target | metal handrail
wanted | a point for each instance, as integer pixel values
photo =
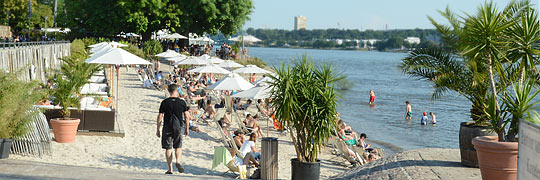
(8, 45)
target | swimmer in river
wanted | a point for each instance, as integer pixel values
(433, 120)
(371, 97)
(408, 112)
(424, 119)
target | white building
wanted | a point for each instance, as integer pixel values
(412, 40)
(369, 42)
(299, 22)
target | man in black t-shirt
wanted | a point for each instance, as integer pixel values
(174, 112)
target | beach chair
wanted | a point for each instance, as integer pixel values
(342, 147)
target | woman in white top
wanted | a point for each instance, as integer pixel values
(250, 147)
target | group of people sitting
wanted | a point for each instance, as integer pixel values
(354, 142)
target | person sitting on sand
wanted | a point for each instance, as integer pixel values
(424, 119)
(249, 147)
(408, 111)
(433, 120)
(248, 159)
(246, 105)
(252, 123)
(239, 138)
(346, 136)
(362, 141)
(372, 157)
(209, 109)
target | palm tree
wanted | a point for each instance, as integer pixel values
(450, 72)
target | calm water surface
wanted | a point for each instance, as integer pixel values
(385, 121)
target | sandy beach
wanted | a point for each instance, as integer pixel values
(140, 149)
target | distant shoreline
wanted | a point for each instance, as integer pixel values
(344, 49)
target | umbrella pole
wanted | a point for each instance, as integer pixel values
(117, 82)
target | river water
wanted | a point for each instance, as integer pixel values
(384, 123)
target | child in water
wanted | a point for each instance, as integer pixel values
(424, 119)
(371, 97)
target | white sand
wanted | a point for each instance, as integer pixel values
(140, 150)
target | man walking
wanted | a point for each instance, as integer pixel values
(176, 118)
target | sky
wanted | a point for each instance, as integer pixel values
(357, 14)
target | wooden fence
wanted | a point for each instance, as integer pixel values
(34, 61)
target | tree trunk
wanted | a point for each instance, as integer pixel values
(146, 36)
(500, 130)
(522, 75)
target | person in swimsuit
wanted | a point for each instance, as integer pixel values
(433, 120)
(408, 112)
(371, 97)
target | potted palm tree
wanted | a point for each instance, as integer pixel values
(305, 103)
(74, 74)
(16, 100)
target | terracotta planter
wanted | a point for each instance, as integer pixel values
(64, 129)
(497, 160)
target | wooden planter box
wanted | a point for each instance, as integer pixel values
(91, 120)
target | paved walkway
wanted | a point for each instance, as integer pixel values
(18, 169)
(431, 163)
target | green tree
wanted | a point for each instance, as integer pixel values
(152, 48)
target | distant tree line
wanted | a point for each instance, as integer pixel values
(324, 38)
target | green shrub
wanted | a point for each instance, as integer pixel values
(132, 48)
(16, 100)
(152, 48)
(77, 46)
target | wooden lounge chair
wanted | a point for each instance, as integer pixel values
(342, 147)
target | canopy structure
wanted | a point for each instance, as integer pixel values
(250, 69)
(230, 64)
(98, 44)
(117, 56)
(210, 68)
(175, 36)
(257, 92)
(169, 54)
(176, 59)
(192, 61)
(233, 81)
(100, 48)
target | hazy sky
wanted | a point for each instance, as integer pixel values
(357, 14)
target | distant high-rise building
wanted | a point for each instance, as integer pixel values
(299, 22)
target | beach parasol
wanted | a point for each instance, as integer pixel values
(257, 92)
(250, 69)
(192, 61)
(232, 81)
(169, 54)
(247, 39)
(210, 68)
(117, 56)
(264, 81)
(99, 44)
(175, 36)
(230, 64)
(215, 60)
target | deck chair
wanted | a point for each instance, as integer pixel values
(342, 147)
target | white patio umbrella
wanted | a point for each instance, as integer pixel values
(215, 60)
(246, 38)
(117, 56)
(169, 53)
(99, 44)
(192, 61)
(175, 36)
(230, 64)
(257, 92)
(210, 68)
(100, 48)
(264, 81)
(232, 81)
(132, 35)
(250, 69)
(117, 44)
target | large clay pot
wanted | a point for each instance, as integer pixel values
(497, 160)
(468, 131)
(64, 129)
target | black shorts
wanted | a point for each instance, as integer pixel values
(169, 140)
